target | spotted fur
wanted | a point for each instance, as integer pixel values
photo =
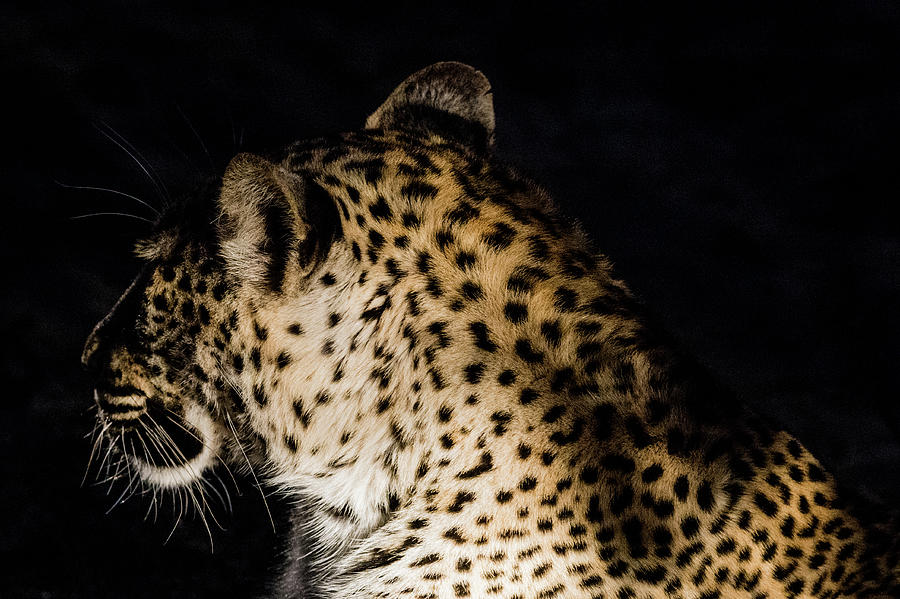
(460, 395)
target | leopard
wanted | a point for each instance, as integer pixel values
(456, 394)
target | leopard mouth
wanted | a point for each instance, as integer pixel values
(178, 452)
(166, 449)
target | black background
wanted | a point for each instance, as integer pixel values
(739, 167)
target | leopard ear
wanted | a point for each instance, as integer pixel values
(450, 99)
(270, 224)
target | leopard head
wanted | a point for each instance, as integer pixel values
(262, 296)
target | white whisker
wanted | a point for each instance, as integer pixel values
(146, 220)
(108, 190)
(134, 154)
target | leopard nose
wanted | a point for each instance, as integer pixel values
(88, 355)
(117, 320)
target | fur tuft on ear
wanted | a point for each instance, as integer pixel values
(263, 223)
(450, 99)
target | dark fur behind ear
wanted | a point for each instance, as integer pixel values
(272, 223)
(448, 98)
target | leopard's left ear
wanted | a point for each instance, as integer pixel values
(449, 99)
(273, 226)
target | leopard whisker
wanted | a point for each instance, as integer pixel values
(114, 136)
(125, 214)
(197, 135)
(112, 191)
(250, 466)
(97, 435)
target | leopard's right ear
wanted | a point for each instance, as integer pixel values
(449, 99)
(272, 224)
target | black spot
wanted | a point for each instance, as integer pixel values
(260, 396)
(370, 168)
(462, 498)
(380, 210)
(589, 475)
(519, 284)
(562, 438)
(394, 270)
(551, 332)
(528, 483)
(218, 291)
(462, 213)
(160, 303)
(500, 237)
(565, 299)
(295, 329)
(705, 496)
(652, 473)
(506, 378)
(383, 404)
(524, 451)
(167, 273)
(433, 287)
(482, 336)
(633, 531)
(465, 260)
(617, 462)
(301, 414)
(500, 420)
(474, 372)
(283, 360)
(765, 504)
(439, 330)
(515, 312)
(553, 414)
(815, 473)
(527, 353)
(437, 379)
(327, 279)
(681, 488)
(445, 413)
(527, 395)
(561, 378)
(504, 496)
(471, 291)
(420, 190)
(787, 527)
(485, 464)
(621, 500)
(410, 220)
(444, 238)
(689, 527)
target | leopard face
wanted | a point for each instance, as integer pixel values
(399, 332)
